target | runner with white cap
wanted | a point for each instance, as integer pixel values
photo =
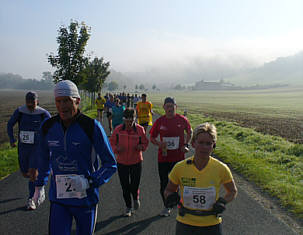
(72, 147)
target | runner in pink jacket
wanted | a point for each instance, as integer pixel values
(128, 141)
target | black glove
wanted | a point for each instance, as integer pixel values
(172, 200)
(219, 206)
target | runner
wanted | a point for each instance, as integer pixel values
(118, 110)
(199, 179)
(128, 142)
(29, 118)
(144, 112)
(135, 101)
(109, 112)
(100, 101)
(172, 145)
(71, 148)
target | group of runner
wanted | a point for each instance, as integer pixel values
(70, 146)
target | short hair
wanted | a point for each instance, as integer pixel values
(206, 127)
(144, 95)
(129, 113)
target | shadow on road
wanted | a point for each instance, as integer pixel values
(22, 208)
(133, 228)
(11, 199)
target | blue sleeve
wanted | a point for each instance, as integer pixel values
(43, 161)
(105, 152)
(47, 115)
(10, 125)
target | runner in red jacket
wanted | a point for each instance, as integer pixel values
(128, 141)
(172, 144)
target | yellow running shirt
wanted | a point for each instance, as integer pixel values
(144, 112)
(100, 101)
(199, 190)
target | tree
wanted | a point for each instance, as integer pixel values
(136, 87)
(113, 86)
(141, 87)
(95, 74)
(70, 60)
(154, 87)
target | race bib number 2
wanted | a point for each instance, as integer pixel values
(199, 198)
(27, 137)
(65, 189)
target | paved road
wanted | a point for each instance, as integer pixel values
(245, 215)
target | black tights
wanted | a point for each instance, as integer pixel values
(164, 168)
(130, 179)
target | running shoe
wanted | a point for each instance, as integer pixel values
(165, 212)
(128, 212)
(30, 204)
(136, 204)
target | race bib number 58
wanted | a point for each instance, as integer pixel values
(199, 198)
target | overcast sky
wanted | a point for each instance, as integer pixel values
(135, 35)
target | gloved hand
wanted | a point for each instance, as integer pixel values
(39, 195)
(172, 200)
(219, 205)
(79, 183)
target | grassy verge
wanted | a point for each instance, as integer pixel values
(8, 160)
(273, 163)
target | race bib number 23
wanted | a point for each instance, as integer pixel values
(65, 189)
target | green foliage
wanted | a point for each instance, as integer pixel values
(70, 60)
(94, 74)
(12, 81)
(8, 160)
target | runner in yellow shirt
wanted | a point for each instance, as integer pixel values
(198, 180)
(100, 101)
(144, 112)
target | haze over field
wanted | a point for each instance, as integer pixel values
(163, 41)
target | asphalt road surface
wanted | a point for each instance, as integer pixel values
(247, 214)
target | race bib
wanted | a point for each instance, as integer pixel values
(172, 143)
(65, 189)
(27, 137)
(199, 198)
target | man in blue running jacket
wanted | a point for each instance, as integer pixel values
(72, 146)
(29, 118)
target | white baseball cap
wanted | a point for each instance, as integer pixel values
(66, 88)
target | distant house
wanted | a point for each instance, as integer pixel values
(221, 85)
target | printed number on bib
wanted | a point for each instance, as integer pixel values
(172, 143)
(199, 198)
(65, 189)
(27, 137)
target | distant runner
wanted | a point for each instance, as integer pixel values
(100, 101)
(109, 112)
(75, 152)
(29, 118)
(172, 145)
(144, 112)
(117, 111)
(199, 179)
(128, 142)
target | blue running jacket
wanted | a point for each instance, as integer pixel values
(82, 149)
